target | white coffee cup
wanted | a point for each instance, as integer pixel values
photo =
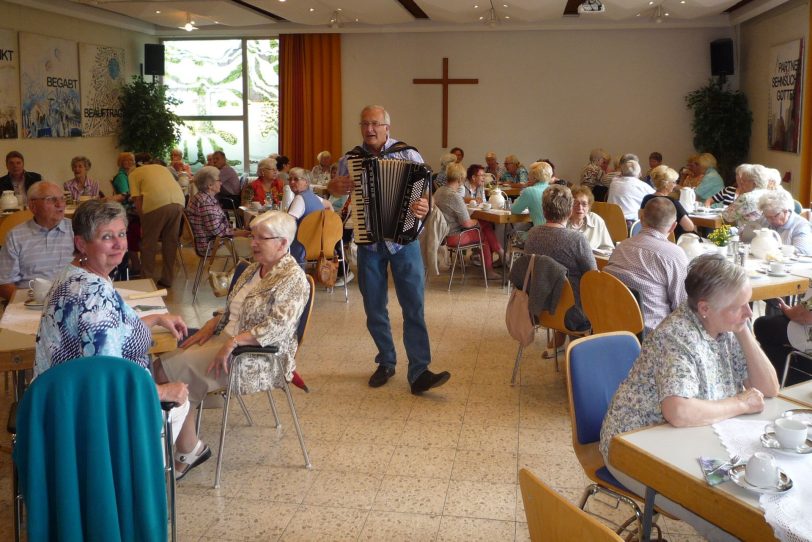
(486, 206)
(789, 433)
(788, 251)
(761, 470)
(777, 268)
(40, 288)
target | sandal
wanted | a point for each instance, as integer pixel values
(550, 353)
(197, 456)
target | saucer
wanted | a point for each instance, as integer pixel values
(784, 482)
(33, 305)
(768, 440)
(772, 274)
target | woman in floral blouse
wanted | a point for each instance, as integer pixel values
(263, 308)
(701, 365)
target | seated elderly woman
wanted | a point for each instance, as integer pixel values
(445, 160)
(751, 184)
(321, 171)
(207, 218)
(566, 246)
(85, 316)
(177, 165)
(701, 365)
(777, 206)
(664, 180)
(267, 183)
(593, 172)
(515, 173)
(538, 179)
(305, 201)
(81, 186)
(473, 189)
(450, 202)
(121, 194)
(703, 168)
(585, 221)
(263, 308)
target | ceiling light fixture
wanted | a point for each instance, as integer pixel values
(591, 6)
(491, 18)
(190, 24)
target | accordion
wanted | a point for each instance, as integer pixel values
(382, 195)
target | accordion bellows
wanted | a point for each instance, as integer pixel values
(382, 196)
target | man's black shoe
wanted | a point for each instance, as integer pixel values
(381, 375)
(429, 380)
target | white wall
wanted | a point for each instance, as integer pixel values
(757, 36)
(553, 94)
(51, 156)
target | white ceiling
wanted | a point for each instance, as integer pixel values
(246, 17)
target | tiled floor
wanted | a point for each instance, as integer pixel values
(386, 465)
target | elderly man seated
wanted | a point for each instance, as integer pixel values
(628, 190)
(651, 265)
(17, 178)
(776, 207)
(40, 247)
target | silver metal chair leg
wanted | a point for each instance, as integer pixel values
(453, 266)
(18, 498)
(344, 267)
(516, 365)
(170, 470)
(199, 274)
(299, 434)
(273, 409)
(182, 264)
(223, 430)
(786, 369)
(248, 417)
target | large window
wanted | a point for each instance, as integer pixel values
(229, 92)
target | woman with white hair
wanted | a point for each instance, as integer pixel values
(445, 160)
(777, 206)
(628, 190)
(305, 201)
(267, 183)
(751, 184)
(263, 308)
(321, 171)
(81, 185)
(206, 215)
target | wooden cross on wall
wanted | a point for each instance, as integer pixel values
(445, 81)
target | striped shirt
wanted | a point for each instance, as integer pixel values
(31, 251)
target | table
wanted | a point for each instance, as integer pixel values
(17, 349)
(800, 393)
(664, 459)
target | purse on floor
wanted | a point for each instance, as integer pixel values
(518, 319)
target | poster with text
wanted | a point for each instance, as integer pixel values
(49, 85)
(784, 110)
(10, 85)
(102, 74)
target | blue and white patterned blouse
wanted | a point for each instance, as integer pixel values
(678, 359)
(85, 316)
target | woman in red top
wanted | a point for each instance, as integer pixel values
(268, 182)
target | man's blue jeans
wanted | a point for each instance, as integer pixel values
(407, 272)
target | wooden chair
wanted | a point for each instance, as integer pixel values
(612, 214)
(552, 517)
(609, 304)
(11, 221)
(553, 322)
(313, 236)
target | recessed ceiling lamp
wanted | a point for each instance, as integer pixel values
(190, 24)
(591, 6)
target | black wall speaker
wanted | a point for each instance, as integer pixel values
(722, 57)
(153, 59)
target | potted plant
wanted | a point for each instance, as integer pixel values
(722, 124)
(147, 123)
(721, 236)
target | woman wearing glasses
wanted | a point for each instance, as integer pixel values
(267, 183)
(207, 218)
(263, 308)
(776, 207)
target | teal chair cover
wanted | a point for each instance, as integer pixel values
(89, 453)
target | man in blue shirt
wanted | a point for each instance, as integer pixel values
(407, 272)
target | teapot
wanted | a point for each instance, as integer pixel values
(497, 199)
(691, 244)
(766, 241)
(8, 200)
(687, 197)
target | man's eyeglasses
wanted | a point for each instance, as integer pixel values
(51, 199)
(373, 124)
(260, 238)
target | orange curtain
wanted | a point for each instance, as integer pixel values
(309, 96)
(805, 186)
